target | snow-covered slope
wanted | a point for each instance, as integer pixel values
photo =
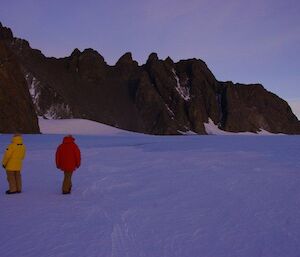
(212, 129)
(78, 127)
(157, 197)
(87, 127)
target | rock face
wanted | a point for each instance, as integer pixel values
(263, 110)
(17, 112)
(159, 97)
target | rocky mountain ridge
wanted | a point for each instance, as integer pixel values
(17, 114)
(159, 97)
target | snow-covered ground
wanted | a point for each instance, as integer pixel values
(138, 195)
(77, 127)
(87, 127)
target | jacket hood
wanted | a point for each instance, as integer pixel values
(68, 139)
(17, 140)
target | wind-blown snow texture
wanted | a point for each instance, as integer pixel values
(134, 196)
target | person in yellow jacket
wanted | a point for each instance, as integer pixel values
(12, 163)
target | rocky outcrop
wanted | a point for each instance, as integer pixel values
(159, 97)
(17, 112)
(264, 110)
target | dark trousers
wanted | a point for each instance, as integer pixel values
(14, 180)
(67, 183)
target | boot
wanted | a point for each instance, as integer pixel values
(10, 193)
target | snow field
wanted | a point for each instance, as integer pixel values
(78, 127)
(138, 195)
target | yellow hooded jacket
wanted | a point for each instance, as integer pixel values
(14, 155)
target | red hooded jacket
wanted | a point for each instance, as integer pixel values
(68, 155)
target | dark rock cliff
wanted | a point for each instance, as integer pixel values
(17, 112)
(159, 97)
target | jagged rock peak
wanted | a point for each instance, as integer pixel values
(139, 98)
(92, 53)
(125, 59)
(76, 52)
(169, 61)
(152, 58)
(5, 33)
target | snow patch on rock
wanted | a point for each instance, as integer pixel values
(170, 111)
(183, 91)
(33, 86)
(187, 133)
(56, 109)
(212, 129)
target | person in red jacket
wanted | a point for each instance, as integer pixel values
(67, 159)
